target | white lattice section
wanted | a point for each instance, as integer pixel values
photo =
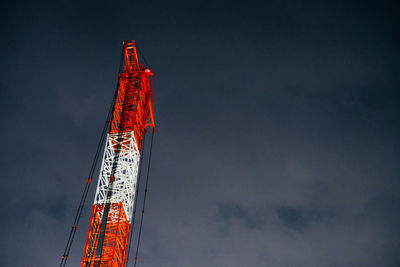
(126, 173)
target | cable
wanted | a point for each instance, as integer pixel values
(83, 198)
(144, 59)
(110, 119)
(135, 203)
(144, 199)
(78, 214)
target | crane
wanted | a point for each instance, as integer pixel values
(112, 214)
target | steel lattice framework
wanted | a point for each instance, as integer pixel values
(111, 219)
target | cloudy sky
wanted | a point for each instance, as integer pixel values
(277, 138)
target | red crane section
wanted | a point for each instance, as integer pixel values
(133, 109)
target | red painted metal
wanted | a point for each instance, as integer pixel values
(133, 108)
(116, 238)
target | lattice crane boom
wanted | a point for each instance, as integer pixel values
(112, 212)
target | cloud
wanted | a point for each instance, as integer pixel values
(276, 142)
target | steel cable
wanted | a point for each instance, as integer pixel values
(144, 59)
(144, 199)
(135, 203)
(78, 214)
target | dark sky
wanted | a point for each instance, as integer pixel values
(277, 138)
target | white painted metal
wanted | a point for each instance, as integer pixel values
(126, 173)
